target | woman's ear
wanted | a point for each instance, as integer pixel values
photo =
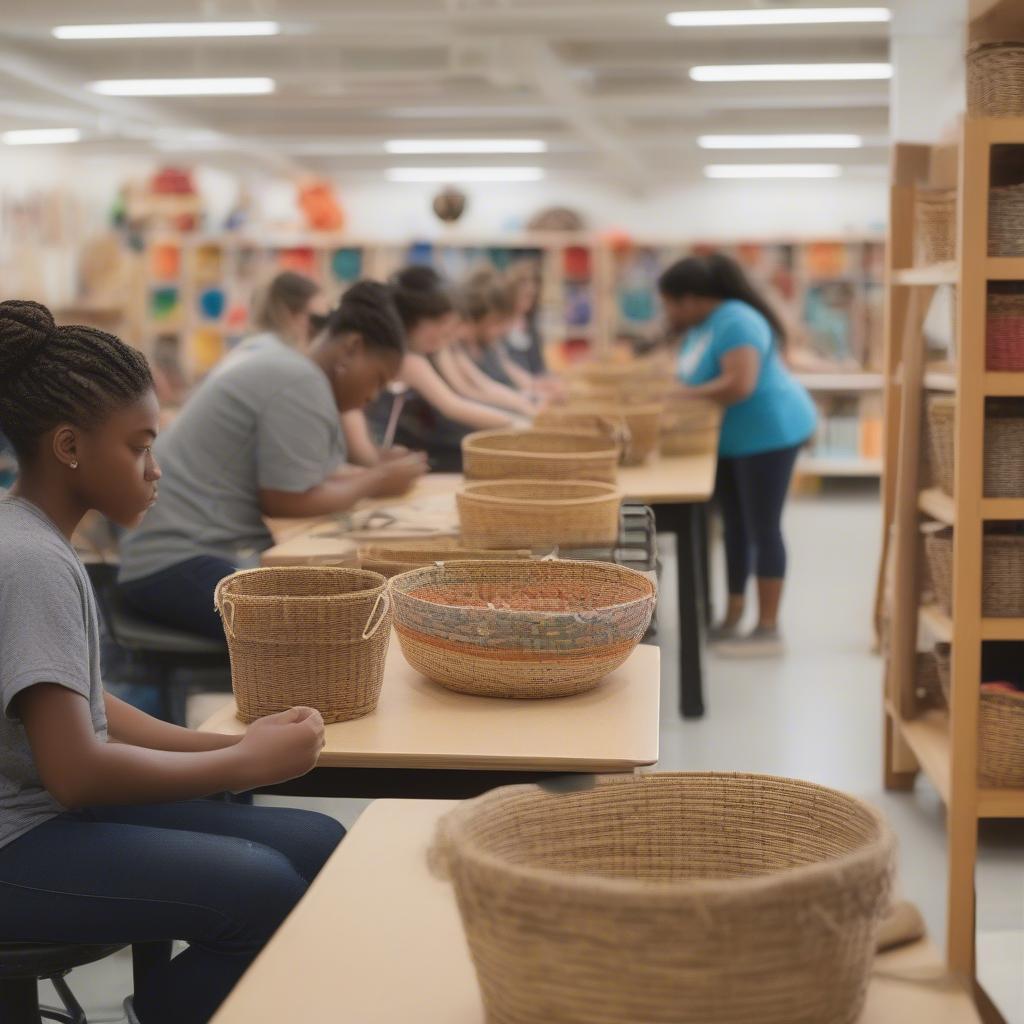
(65, 445)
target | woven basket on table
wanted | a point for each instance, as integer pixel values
(934, 225)
(1000, 730)
(538, 455)
(306, 635)
(402, 556)
(539, 514)
(670, 899)
(633, 427)
(521, 628)
(1002, 578)
(689, 427)
(995, 80)
(1004, 445)
(1004, 332)
(1006, 220)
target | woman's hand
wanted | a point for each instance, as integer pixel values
(396, 476)
(280, 747)
(394, 453)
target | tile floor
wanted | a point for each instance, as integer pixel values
(814, 714)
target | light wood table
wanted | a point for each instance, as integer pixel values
(378, 940)
(426, 741)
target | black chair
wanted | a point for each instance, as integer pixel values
(170, 657)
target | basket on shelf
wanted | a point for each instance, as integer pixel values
(538, 514)
(1002, 584)
(1006, 220)
(538, 455)
(306, 635)
(929, 693)
(934, 225)
(995, 79)
(696, 898)
(1000, 730)
(520, 628)
(400, 556)
(633, 427)
(1004, 443)
(1004, 332)
(689, 427)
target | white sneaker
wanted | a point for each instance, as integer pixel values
(761, 643)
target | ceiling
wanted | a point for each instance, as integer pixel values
(604, 82)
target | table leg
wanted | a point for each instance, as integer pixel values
(704, 526)
(683, 521)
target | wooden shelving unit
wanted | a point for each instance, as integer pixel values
(944, 745)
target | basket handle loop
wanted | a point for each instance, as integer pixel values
(226, 607)
(383, 598)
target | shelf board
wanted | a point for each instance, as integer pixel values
(937, 504)
(1000, 803)
(1009, 384)
(827, 465)
(1002, 508)
(853, 380)
(928, 737)
(1002, 629)
(1004, 268)
(937, 622)
(936, 274)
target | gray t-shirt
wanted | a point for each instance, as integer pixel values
(264, 418)
(49, 633)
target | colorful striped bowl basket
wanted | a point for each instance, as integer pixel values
(520, 628)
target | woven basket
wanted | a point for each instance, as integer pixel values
(1000, 731)
(398, 556)
(934, 225)
(1006, 220)
(670, 899)
(521, 628)
(306, 635)
(1004, 332)
(689, 427)
(538, 455)
(1004, 445)
(539, 514)
(1002, 584)
(633, 427)
(995, 80)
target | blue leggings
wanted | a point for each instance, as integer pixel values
(220, 876)
(750, 491)
(181, 596)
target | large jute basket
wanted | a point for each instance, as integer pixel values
(995, 79)
(670, 899)
(402, 556)
(1004, 331)
(538, 455)
(306, 635)
(934, 225)
(539, 514)
(1006, 220)
(1002, 578)
(633, 427)
(1000, 730)
(521, 628)
(689, 427)
(1004, 445)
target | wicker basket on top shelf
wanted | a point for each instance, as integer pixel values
(995, 79)
(1002, 583)
(934, 226)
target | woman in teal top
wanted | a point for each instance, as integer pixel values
(730, 353)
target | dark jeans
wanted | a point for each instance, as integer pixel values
(220, 876)
(180, 596)
(750, 491)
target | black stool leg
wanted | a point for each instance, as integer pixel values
(75, 1014)
(146, 956)
(19, 1001)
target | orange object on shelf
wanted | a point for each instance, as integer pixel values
(827, 259)
(576, 262)
(165, 262)
(301, 259)
(320, 206)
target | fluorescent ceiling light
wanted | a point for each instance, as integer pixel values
(780, 141)
(421, 146)
(772, 171)
(168, 30)
(790, 72)
(39, 136)
(183, 86)
(451, 175)
(779, 16)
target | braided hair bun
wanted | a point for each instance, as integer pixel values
(25, 328)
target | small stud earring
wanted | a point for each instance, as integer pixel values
(74, 464)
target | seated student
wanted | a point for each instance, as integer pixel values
(290, 309)
(261, 437)
(97, 841)
(473, 366)
(433, 417)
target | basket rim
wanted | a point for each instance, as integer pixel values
(470, 490)
(532, 565)
(611, 451)
(720, 890)
(224, 587)
(597, 409)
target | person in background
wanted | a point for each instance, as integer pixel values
(523, 346)
(730, 353)
(291, 309)
(432, 416)
(102, 836)
(259, 438)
